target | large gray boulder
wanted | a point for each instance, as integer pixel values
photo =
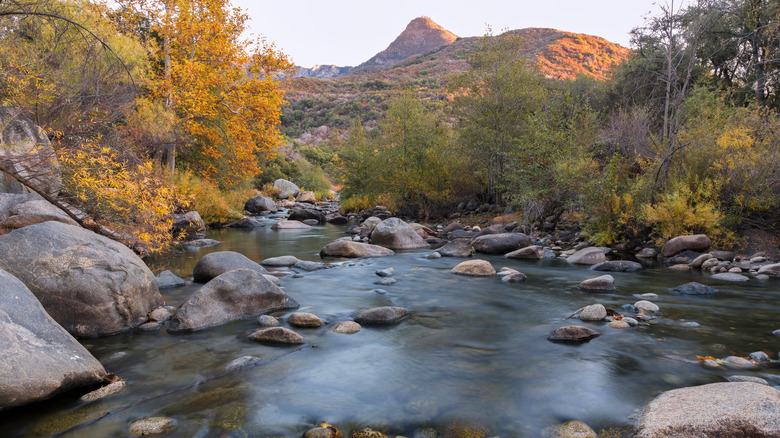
(696, 242)
(349, 248)
(588, 256)
(727, 409)
(394, 233)
(501, 243)
(217, 263)
(31, 212)
(91, 285)
(260, 204)
(25, 147)
(40, 358)
(286, 188)
(233, 295)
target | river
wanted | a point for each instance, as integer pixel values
(473, 352)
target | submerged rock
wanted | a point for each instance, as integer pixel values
(730, 276)
(153, 426)
(617, 266)
(277, 335)
(381, 315)
(572, 333)
(693, 288)
(732, 409)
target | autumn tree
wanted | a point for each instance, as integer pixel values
(223, 92)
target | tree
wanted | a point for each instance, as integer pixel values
(224, 91)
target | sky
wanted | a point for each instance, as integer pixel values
(349, 32)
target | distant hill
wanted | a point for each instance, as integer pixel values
(422, 58)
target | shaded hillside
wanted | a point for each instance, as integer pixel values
(362, 92)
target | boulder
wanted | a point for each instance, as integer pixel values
(457, 248)
(647, 253)
(394, 233)
(347, 327)
(336, 219)
(217, 263)
(696, 242)
(259, 205)
(289, 225)
(573, 334)
(381, 316)
(40, 358)
(25, 147)
(286, 189)
(602, 283)
(693, 288)
(168, 279)
(246, 223)
(474, 268)
(348, 248)
(33, 212)
(233, 295)
(772, 270)
(277, 335)
(533, 252)
(727, 409)
(302, 214)
(617, 266)
(500, 243)
(188, 226)
(91, 285)
(588, 256)
(307, 197)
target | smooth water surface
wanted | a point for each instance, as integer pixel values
(473, 352)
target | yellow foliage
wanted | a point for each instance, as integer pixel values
(131, 198)
(212, 203)
(357, 203)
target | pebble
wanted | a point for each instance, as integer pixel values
(152, 426)
(243, 362)
(387, 281)
(680, 267)
(691, 324)
(646, 306)
(619, 324)
(277, 335)
(267, 321)
(318, 432)
(760, 357)
(516, 277)
(347, 327)
(160, 314)
(433, 255)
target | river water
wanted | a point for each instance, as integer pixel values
(473, 352)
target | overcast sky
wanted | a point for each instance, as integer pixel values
(348, 32)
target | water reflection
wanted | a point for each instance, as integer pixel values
(474, 350)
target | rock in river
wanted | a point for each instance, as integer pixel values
(474, 268)
(230, 296)
(501, 243)
(572, 333)
(594, 312)
(598, 284)
(91, 285)
(217, 263)
(457, 248)
(394, 233)
(617, 266)
(347, 327)
(381, 315)
(348, 248)
(730, 276)
(693, 288)
(588, 256)
(260, 204)
(277, 335)
(533, 252)
(40, 358)
(304, 319)
(729, 409)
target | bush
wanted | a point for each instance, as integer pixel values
(205, 197)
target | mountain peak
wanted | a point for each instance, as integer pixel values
(422, 35)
